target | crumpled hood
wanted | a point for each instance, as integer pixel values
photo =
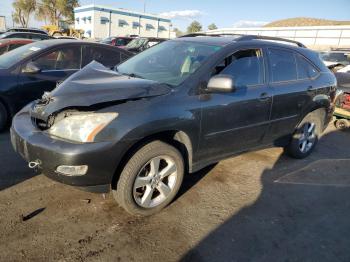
(95, 84)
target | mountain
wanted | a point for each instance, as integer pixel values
(305, 21)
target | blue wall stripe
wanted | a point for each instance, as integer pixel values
(106, 10)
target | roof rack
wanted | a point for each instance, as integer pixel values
(248, 37)
(213, 35)
(271, 38)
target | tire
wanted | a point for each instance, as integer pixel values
(144, 198)
(306, 136)
(56, 34)
(3, 117)
(342, 124)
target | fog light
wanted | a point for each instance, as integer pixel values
(72, 170)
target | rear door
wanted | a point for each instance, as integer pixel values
(55, 65)
(233, 122)
(290, 77)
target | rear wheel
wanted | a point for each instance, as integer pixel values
(342, 124)
(3, 117)
(150, 180)
(306, 136)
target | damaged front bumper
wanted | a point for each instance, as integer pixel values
(48, 153)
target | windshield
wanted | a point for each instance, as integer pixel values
(338, 57)
(170, 62)
(16, 55)
(136, 43)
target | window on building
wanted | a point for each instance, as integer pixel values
(104, 20)
(282, 65)
(122, 23)
(135, 25)
(162, 28)
(89, 19)
(149, 27)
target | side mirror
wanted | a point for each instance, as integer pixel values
(31, 68)
(221, 84)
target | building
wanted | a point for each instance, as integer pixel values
(100, 22)
(317, 37)
(2, 23)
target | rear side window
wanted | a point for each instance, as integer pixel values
(105, 56)
(282, 65)
(305, 69)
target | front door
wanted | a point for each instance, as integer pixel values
(233, 122)
(55, 66)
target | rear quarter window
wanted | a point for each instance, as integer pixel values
(305, 69)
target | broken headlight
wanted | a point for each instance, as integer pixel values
(81, 127)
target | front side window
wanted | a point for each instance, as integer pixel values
(60, 59)
(245, 66)
(305, 69)
(170, 62)
(282, 65)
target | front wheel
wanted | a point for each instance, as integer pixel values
(150, 180)
(305, 137)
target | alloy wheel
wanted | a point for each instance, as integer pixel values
(307, 137)
(155, 182)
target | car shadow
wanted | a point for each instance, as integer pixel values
(13, 169)
(301, 214)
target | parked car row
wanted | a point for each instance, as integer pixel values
(7, 45)
(173, 109)
(30, 70)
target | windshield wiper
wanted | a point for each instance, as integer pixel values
(133, 75)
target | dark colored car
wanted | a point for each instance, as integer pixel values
(117, 40)
(142, 43)
(174, 109)
(27, 29)
(336, 57)
(7, 45)
(29, 71)
(27, 35)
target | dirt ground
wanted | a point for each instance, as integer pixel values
(259, 206)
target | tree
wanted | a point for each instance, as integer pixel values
(212, 26)
(178, 32)
(22, 11)
(55, 10)
(194, 27)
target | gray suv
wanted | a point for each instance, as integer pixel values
(173, 109)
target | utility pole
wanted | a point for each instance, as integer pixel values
(144, 6)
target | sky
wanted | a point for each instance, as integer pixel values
(224, 13)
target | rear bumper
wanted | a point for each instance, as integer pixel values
(101, 158)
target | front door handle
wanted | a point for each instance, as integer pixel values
(311, 89)
(264, 96)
